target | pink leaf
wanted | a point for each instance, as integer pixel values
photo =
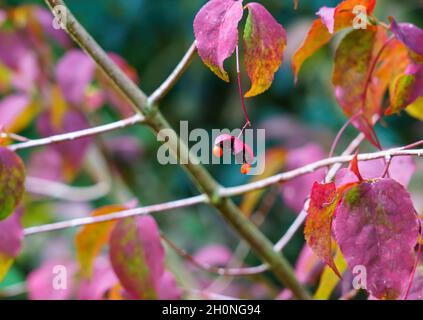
(213, 255)
(296, 191)
(377, 228)
(74, 72)
(53, 280)
(103, 279)
(11, 108)
(137, 256)
(168, 289)
(73, 152)
(401, 170)
(216, 33)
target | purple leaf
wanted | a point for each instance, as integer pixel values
(11, 237)
(74, 72)
(296, 191)
(327, 14)
(216, 33)
(137, 256)
(377, 228)
(409, 34)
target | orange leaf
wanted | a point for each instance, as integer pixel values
(319, 34)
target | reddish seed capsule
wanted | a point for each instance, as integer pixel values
(217, 151)
(245, 169)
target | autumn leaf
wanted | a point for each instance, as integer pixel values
(330, 21)
(318, 227)
(275, 161)
(409, 34)
(329, 280)
(376, 227)
(73, 73)
(11, 238)
(407, 89)
(359, 88)
(416, 109)
(137, 256)
(52, 122)
(216, 33)
(92, 237)
(264, 45)
(12, 182)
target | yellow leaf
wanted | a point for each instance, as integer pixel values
(275, 160)
(416, 109)
(91, 238)
(5, 263)
(329, 279)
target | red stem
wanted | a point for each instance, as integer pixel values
(341, 131)
(241, 93)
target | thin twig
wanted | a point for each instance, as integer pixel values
(69, 136)
(173, 78)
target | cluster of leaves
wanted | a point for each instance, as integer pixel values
(375, 223)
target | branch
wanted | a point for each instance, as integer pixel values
(69, 136)
(224, 192)
(168, 84)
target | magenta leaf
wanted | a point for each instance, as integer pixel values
(74, 73)
(216, 33)
(409, 34)
(12, 182)
(11, 237)
(137, 256)
(377, 228)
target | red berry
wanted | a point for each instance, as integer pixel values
(217, 151)
(246, 167)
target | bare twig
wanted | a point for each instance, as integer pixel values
(69, 136)
(168, 84)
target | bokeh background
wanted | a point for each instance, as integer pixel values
(300, 121)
